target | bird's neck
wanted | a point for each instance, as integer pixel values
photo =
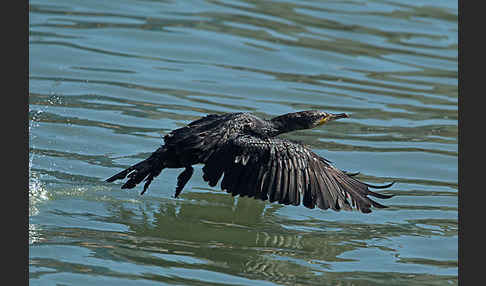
(283, 124)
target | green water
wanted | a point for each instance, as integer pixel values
(107, 79)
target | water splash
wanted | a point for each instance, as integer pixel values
(37, 192)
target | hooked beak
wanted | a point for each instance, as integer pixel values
(337, 116)
(331, 117)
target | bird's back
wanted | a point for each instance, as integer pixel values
(194, 142)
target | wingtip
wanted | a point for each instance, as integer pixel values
(366, 210)
(381, 187)
(352, 174)
(378, 195)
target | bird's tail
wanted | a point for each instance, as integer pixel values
(147, 169)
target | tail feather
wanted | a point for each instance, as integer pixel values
(148, 180)
(147, 169)
(119, 176)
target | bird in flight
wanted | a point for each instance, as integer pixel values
(254, 162)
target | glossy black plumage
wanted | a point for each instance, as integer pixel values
(252, 161)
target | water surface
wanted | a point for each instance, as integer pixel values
(108, 79)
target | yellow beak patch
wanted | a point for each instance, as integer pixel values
(323, 120)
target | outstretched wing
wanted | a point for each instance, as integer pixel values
(280, 170)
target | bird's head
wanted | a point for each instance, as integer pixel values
(305, 119)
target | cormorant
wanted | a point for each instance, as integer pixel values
(256, 163)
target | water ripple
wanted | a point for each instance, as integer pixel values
(108, 79)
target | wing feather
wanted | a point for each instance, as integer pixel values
(285, 182)
(276, 190)
(293, 184)
(280, 170)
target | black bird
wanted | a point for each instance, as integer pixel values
(256, 163)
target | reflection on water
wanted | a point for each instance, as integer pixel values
(166, 238)
(107, 80)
